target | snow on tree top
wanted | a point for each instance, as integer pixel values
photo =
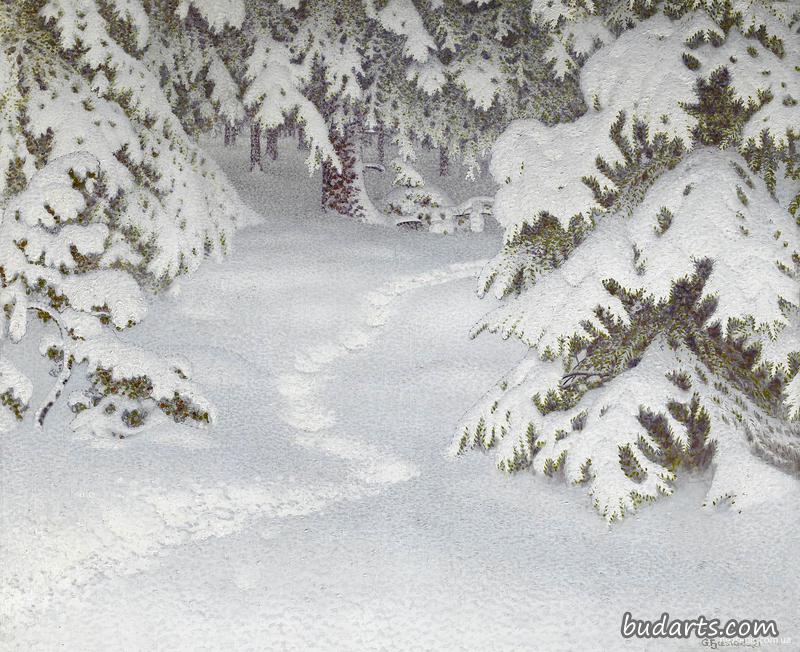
(622, 77)
(217, 13)
(718, 212)
(540, 167)
(401, 17)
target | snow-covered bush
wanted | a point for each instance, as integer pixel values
(651, 259)
(104, 198)
(425, 206)
(415, 204)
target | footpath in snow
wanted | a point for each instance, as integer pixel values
(322, 511)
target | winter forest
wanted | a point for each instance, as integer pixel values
(397, 324)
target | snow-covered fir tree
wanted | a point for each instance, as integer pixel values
(651, 256)
(193, 49)
(105, 198)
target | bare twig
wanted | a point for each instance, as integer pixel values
(66, 364)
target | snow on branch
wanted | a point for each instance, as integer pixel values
(401, 17)
(219, 14)
(275, 91)
(53, 272)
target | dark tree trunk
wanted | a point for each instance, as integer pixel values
(272, 144)
(228, 135)
(444, 161)
(381, 144)
(301, 139)
(255, 147)
(340, 191)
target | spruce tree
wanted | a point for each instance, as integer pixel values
(651, 258)
(105, 198)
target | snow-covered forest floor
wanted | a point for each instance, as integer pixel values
(322, 511)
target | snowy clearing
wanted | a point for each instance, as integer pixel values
(322, 512)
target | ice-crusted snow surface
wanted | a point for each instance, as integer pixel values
(322, 512)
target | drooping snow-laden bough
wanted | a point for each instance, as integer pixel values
(105, 200)
(651, 258)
